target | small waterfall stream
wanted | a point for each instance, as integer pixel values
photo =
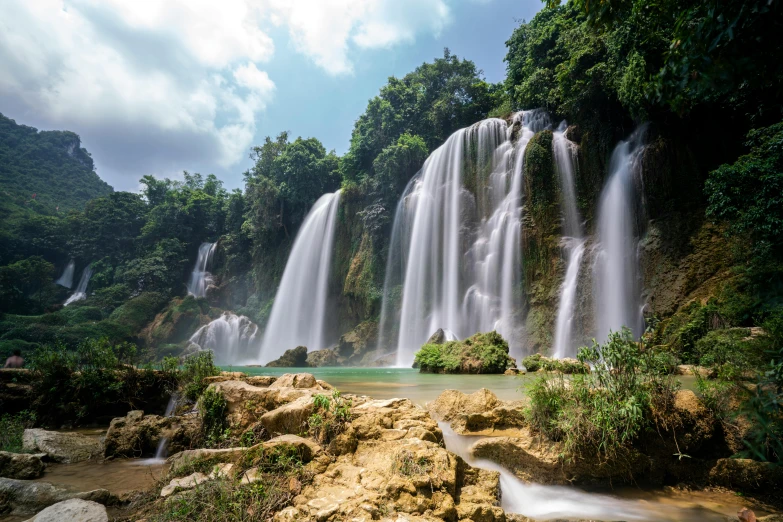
(299, 310)
(200, 279)
(574, 246)
(81, 288)
(162, 450)
(66, 279)
(232, 338)
(618, 287)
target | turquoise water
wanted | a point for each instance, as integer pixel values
(387, 383)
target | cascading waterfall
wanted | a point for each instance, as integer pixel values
(232, 338)
(81, 288)
(460, 252)
(299, 310)
(200, 279)
(617, 283)
(66, 279)
(574, 245)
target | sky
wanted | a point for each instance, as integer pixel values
(161, 86)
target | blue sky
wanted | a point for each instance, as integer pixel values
(160, 87)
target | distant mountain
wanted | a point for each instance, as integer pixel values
(47, 172)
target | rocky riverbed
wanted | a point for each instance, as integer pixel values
(368, 459)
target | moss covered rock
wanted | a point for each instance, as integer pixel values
(293, 358)
(481, 353)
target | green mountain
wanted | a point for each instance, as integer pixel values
(44, 171)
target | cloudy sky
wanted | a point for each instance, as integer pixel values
(161, 86)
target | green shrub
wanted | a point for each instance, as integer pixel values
(536, 362)
(195, 369)
(600, 414)
(213, 408)
(12, 430)
(481, 353)
(330, 417)
(732, 352)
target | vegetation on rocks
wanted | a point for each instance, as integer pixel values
(481, 353)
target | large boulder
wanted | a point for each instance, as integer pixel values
(289, 418)
(293, 358)
(320, 358)
(481, 353)
(747, 475)
(358, 343)
(452, 403)
(295, 380)
(139, 435)
(62, 447)
(696, 422)
(306, 448)
(73, 510)
(21, 465)
(26, 497)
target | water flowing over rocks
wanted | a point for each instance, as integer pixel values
(138, 435)
(62, 447)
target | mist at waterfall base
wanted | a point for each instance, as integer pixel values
(454, 261)
(200, 278)
(233, 339)
(81, 288)
(66, 278)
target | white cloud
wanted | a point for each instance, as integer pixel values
(323, 29)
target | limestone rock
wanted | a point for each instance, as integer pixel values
(138, 435)
(293, 358)
(306, 448)
(262, 381)
(697, 422)
(189, 482)
(289, 418)
(27, 497)
(747, 475)
(321, 358)
(247, 403)
(439, 337)
(354, 346)
(61, 447)
(21, 465)
(73, 510)
(452, 403)
(295, 380)
(184, 458)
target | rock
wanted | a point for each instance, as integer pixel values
(73, 510)
(701, 371)
(21, 465)
(481, 353)
(262, 381)
(247, 403)
(747, 475)
(452, 403)
(250, 476)
(697, 423)
(746, 515)
(295, 380)
(138, 435)
(360, 342)
(306, 448)
(189, 482)
(15, 390)
(184, 458)
(293, 358)
(61, 447)
(222, 470)
(26, 497)
(439, 337)
(321, 358)
(514, 371)
(289, 418)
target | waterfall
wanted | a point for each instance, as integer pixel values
(232, 338)
(299, 310)
(558, 502)
(565, 161)
(459, 252)
(200, 279)
(160, 452)
(81, 288)
(66, 279)
(618, 287)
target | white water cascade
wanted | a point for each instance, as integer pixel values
(561, 502)
(573, 242)
(299, 310)
(616, 272)
(233, 339)
(200, 279)
(81, 288)
(66, 279)
(456, 254)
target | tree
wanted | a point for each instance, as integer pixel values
(26, 284)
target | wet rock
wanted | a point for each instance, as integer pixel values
(189, 482)
(23, 466)
(61, 447)
(439, 337)
(480, 413)
(73, 510)
(138, 435)
(321, 358)
(293, 358)
(354, 346)
(26, 497)
(746, 515)
(747, 475)
(701, 371)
